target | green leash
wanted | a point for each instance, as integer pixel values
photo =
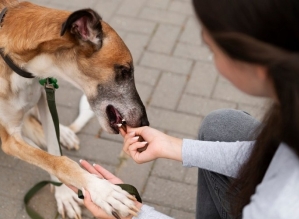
(50, 85)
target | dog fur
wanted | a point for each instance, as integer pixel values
(85, 51)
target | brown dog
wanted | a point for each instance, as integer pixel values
(84, 50)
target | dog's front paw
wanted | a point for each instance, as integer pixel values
(68, 202)
(111, 198)
(68, 138)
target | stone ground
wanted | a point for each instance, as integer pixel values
(177, 82)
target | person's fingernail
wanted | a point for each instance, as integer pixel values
(135, 138)
(94, 165)
(144, 142)
(83, 191)
(80, 160)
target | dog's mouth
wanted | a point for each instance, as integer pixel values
(114, 118)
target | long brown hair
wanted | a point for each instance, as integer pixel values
(264, 32)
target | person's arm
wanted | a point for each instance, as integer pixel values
(220, 157)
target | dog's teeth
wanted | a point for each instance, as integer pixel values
(119, 125)
(123, 120)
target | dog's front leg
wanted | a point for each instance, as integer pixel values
(109, 197)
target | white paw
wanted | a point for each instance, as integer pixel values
(68, 202)
(110, 198)
(68, 138)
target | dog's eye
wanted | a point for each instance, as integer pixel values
(125, 72)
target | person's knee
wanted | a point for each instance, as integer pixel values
(226, 125)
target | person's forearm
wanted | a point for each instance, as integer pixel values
(174, 150)
(221, 157)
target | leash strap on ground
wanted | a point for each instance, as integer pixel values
(33, 214)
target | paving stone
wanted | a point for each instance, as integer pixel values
(92, 127)
(164, 38)
(171, 194)
(181, 7)
(164, 96)
(224, 90)
(191, 176)
(107, 136)
(106, 8)
(136, 43)
(7, 161)
(193, 52)
(180, 135)
(145, 75)
(182, 214)
(6, 204)
(66, 114)
(130, 8)
(191, 32)
(161, 4)
(97, 149)
(18, 182)
(144, 92)
(169, 169)
(135, 174)
(40, 2)
(203, 79)
(76, 4)
(201, 106)
(132, 24)
(173, 121)
(162, 16)
(69, 97)
(166, 63)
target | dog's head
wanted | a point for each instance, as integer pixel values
(106, 68)
(84, 50)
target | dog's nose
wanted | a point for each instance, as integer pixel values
(144, 121)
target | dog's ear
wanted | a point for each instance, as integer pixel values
(86, 25)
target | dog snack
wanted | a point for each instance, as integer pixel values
(123, 125)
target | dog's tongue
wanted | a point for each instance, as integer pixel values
(114, 116)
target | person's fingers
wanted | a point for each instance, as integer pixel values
(90, 168)
(106, 174)
(135, 154)
(129, 136)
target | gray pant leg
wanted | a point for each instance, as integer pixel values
(221, 125)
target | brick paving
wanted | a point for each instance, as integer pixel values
(178, 84)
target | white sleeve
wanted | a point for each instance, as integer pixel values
(277, 196)
(220, 157)
(147, 212)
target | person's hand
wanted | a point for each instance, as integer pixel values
(104, 174)
(160, 145)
